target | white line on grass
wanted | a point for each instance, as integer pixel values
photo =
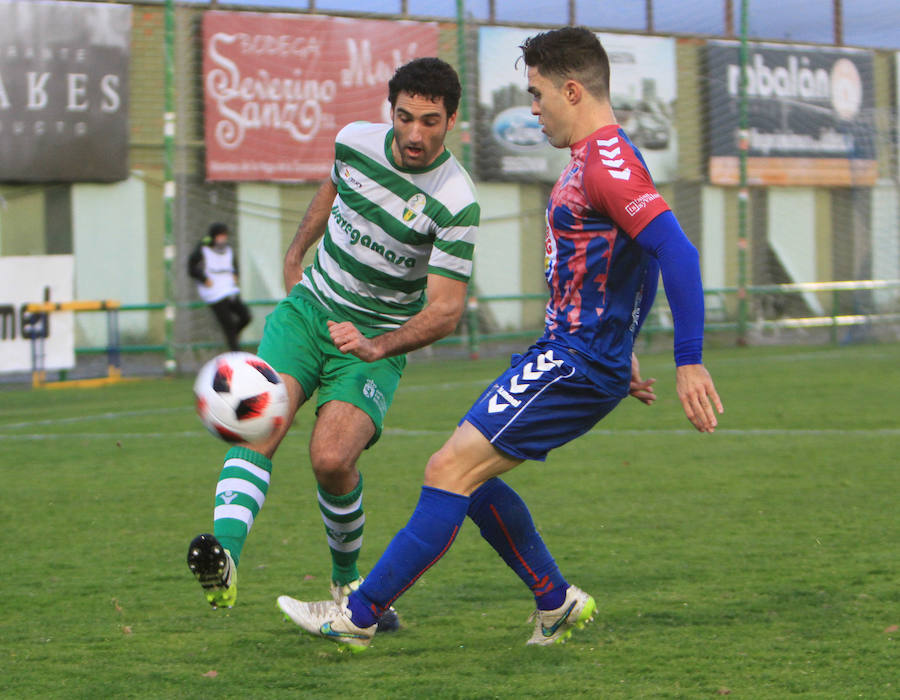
(114, 415)
(109, 415)
(193, 434)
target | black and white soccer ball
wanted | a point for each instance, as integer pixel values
(240, 398)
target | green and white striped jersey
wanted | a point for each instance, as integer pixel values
(390, 228)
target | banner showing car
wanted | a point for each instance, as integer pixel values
(809, 115)
(510, 144)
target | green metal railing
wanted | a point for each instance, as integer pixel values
(472, 336)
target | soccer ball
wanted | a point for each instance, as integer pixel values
(240, 398)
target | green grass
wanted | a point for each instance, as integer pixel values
(761, 560)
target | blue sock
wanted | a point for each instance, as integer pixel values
(507, 525)
(416, 548)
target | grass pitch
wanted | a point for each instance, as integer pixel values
(761, 561)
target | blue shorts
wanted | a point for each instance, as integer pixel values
(541, 402)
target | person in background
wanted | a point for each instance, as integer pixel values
(213, 265)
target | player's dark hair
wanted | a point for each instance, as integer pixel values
(427, 77)
(215, 229)
(570, 53)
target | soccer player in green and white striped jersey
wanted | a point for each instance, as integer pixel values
(396, 227)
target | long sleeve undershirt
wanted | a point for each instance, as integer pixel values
(679, 264)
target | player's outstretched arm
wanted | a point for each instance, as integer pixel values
(310, 230)
(698, 396)
(445, 306)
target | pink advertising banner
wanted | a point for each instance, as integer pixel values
(278, 88)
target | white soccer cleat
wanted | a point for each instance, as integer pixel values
(329, 620)
(388, 622)
(340, 593)
(555, 626)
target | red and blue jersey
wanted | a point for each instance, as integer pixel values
(599, 277)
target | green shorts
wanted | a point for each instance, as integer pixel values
(296, 342)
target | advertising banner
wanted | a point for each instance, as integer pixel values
(809, 115)
(32, 279)
(278, 88)
(510, 144)
(64, 91)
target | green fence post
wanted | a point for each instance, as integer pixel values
(743, 191)
(169, 185)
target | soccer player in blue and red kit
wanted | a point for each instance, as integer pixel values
(609, 235)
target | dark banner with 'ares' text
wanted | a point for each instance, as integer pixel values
(63, 91)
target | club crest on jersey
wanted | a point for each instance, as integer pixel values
(414, 206)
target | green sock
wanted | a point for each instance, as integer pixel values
(240, 494)
(344, 519)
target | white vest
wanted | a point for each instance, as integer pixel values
(219, 268)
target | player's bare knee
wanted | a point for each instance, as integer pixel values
(332, 465)
(443, 471)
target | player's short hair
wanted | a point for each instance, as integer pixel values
(570, 53)
(216, 229)
(427, 77)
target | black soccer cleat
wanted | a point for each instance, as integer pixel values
(390, 621)
(214, 568)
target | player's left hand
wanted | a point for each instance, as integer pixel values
(347, 338)
(698, 396)
(641, 389)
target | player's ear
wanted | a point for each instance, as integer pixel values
(451, 121)
(573, 91)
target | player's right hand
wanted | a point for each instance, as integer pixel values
(698, 396)
(348, 339)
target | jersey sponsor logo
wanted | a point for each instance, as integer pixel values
(347, 175)
(414, 205)
(635, 205)
(365, 240)
(610, 155)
